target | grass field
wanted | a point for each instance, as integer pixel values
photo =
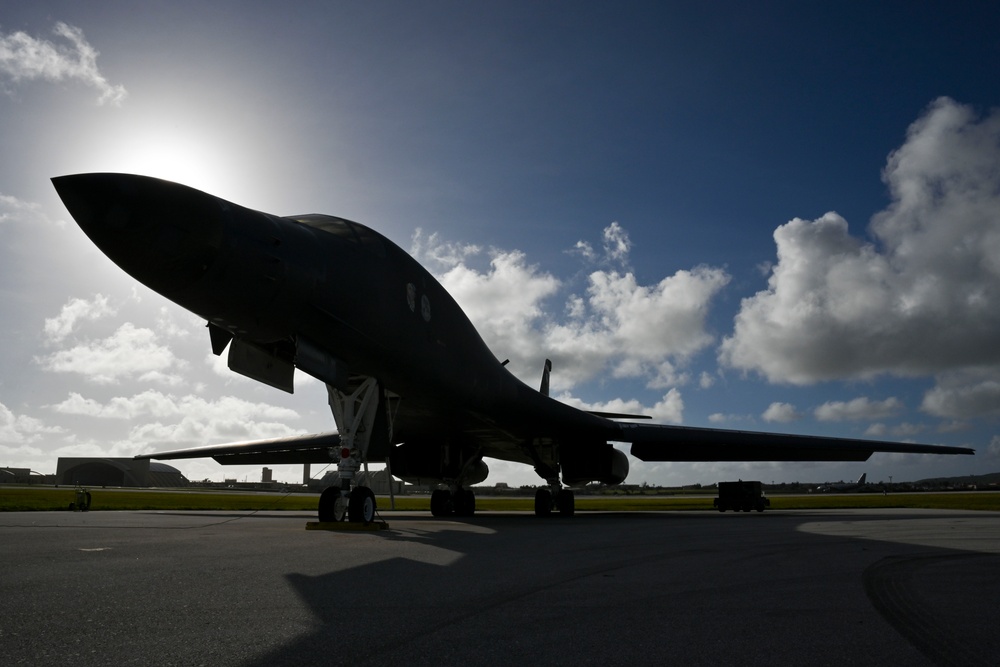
(27, 499)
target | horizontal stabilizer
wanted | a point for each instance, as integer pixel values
(313, 448)
(616, 415)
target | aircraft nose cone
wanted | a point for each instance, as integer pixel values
(164, 234)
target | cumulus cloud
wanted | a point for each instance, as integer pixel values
(965, 394)
(21, 429)
(182, 421)
(504, 302)
(922, 296)
(198, 430)
(668, 410)
(617, 327)
(781, 413)
(15, 209)
(75, 310)
(640, 330)
(431, 250)
(129, 352)
(615, 242)
(994, 449)
(727, 418)
(705, 380)
(151, 403)
(858, 409)
(26, 58)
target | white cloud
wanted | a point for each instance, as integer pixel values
(129, 351)
(858, 409)
(167, 325)
(781, 413)
(616, 243)
(585, 250)
(618, 327)
(504, 302)
(644, 330)
(922, 297)
(21, 429)
(965, 394)
(57, 328)
(194, 431)
(25, 58)
(432, 251)
(876, 430)
(14, 209)
(180, 421)
(727, 418)
(159, 405)
(668, 410)
(994, 448)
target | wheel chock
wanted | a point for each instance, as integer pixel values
(347, 526)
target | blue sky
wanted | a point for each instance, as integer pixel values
(779, 217)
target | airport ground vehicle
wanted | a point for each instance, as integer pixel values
(741, 495)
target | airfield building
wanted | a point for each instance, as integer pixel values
(89, 471)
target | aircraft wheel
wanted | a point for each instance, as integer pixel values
(465, 502)
(441, 502)
(327, 504)
(543, 502)
(566, 500)
(361, 505)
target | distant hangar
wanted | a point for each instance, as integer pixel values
(91, 471)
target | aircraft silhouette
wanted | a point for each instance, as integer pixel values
(410, 381)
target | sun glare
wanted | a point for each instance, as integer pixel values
(182, 159)
(181, 150)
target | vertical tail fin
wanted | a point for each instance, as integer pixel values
(544, 389)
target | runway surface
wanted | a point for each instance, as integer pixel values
(835, 587)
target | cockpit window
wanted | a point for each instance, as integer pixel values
(347, 230)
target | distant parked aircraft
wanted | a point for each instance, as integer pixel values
(844, 486)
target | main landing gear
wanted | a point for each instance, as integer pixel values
(460, 502)
(358, 506)
(553, 499)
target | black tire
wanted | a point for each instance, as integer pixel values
(464, 501)
(361, 505)
(543, 502)
(441, 502)
(566, 500)
(327, 504)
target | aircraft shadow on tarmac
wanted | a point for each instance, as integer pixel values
(464, 592)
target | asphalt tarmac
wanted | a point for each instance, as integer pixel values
(836, 587)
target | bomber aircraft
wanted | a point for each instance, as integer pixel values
(410, 381)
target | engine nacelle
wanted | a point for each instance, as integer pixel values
(600, 463)
(427, 463)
